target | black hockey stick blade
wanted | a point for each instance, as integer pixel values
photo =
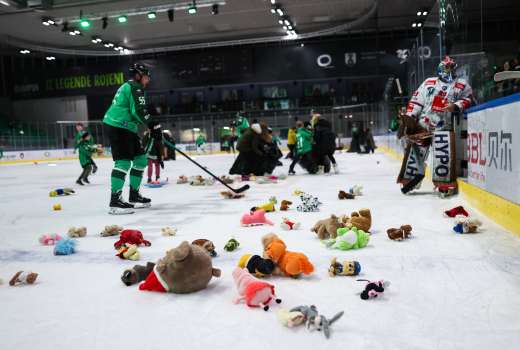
(240, 190)
(411, 185)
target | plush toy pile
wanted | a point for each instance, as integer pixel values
(290, 263)
(253, 292)
(309, 203)
(201, 181)
(348, 238)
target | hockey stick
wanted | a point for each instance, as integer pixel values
(501, 76)
(239, 190)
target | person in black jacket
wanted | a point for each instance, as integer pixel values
(324, 144)
(154, 150)
(252, 157)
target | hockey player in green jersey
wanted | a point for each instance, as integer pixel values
(127, 112)
(86, 148)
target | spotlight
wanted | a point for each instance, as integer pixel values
(151, 15)
(419, 25)
(281, 22)
(108, 44)
(285, 27)
(425, 13)
(50, 58)
(85, 23)
(414, 25)
(170, 15)
(273, 9)
(96, 39)
(122, 19)
(287, 22)
(273, 2)
(105, 22)
(25, 52)
(419, 13)
(280, 12)
(214, 9)
(3, 2)
(302, 44)
(290, 27)
(193, 8)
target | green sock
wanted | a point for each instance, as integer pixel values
(117, 180)
(135, 178)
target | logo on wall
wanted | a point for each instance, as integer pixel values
(324, 61)
(350, 59)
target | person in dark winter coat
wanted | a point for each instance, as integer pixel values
(154, 150)
(324, 145)
(252, 157)
(371, 145)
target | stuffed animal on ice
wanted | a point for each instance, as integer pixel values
(137, 274)
(345, 195)
(231, 245)
(356, 190)
(290, 263)
(256, 265)
(22, 277)
(128, 252)
(315, 321)
(373, 289)
(65, 247)
(399, 234)
(327, 228)
(227, 179)
(345, 268)
(253, 292)
(255, 218)
(347, 239)
(182, 180)
(309, 203)
(290, 319)
(131, 237)
(284, 205)
(111, 230)
(168, 231)
(361, 219)
(200, 181)
(267, 207)
(61, 192)
(185, 269)
(456, 212)
(77, 232)
(289, 224)
(49, 239)
(207, 245)
(231, 195)
(467, 225)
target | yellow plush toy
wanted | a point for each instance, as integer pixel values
(268, 207)
(129, 252)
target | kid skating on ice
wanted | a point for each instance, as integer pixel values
(201, 144)
(85, 148)
(80, 128)
(127, 112)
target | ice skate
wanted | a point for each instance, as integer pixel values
(336, 168)
(321, 170)
(118, 206)
(139, 201)
(78, 181)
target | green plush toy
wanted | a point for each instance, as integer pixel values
(348, 238)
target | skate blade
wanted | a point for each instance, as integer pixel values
(120, 211)
(141, 205)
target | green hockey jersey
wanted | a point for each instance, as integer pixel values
(303, 141)
(85, 152)
(128, 108)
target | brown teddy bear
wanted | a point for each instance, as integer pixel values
(327, 228)
(185, 269)
(361, 219)
(207, 245)
(399, 234)
(290, 263)
(284, 205)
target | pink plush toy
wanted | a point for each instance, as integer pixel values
(252, 291)
(49, 239)
(289, 225)
(255, 218)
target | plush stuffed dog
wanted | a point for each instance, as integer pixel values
(290, 263)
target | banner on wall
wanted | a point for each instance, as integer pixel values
(493, 147)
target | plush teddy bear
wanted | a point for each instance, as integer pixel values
(131, 237)
(467, 225)
(227, 179)
(345, 195)
(49, 239)
(22, 277)
(255, 218)
(327, 228)
(345, 268)
(207, 245)
(284, 205)
(185, 269)
(289, 225)
(231, 195)
(361, 219)
(348, 238)
(290, 263)
(399, 234)
(256, 265)
(65, 247)
(267, 207)
(182, 180)
(231, 245)
(128, 252)
(168, 231)
(111, 230)
(253, 292)
(309, 203)
(77, 232)
(137, 274)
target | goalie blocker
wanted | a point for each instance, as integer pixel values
(444, 172)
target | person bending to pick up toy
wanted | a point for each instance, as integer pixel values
(128, 110)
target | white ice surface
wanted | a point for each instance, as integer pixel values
(448, 291)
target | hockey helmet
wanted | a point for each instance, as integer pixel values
(447, 69)
(139, 68)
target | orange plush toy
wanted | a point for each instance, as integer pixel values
(290, 263)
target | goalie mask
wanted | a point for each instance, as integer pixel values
(447, 70)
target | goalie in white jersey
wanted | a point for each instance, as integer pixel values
(428, 122)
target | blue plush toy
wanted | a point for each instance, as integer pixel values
(65, 247)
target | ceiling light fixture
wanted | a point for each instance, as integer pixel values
(96, 40)
(5, 3)
(425, 13)
(122, 19)
(280, 12)
(25, 52)
(85, 23)
(50, 58)
(287, 22)
(273, 2)
(281, 22)
(151, 15)
(192, 9)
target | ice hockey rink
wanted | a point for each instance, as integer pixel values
(448, 291)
